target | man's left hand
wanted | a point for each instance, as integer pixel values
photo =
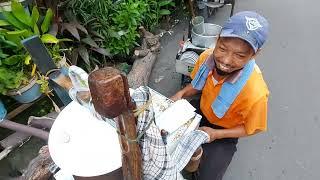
(213, 133)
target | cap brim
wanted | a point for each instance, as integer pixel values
(229, 33)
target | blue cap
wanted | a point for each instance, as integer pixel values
(249, 26)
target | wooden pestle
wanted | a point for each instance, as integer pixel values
(111, 99)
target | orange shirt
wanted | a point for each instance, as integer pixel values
(249, 108)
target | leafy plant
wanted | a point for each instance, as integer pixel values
(87, 44)
(44, 84)
(155, 11)
(11, 65)
(15, 63)
(116, 22)
(127, 17)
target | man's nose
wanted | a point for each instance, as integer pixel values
(227, 59)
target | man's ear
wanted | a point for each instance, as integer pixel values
(256, 54)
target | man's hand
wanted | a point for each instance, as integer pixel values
(185, 92)
(177, 96)
(213, 133)
(235, 132)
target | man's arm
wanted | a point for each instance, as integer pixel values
(185, 92)
(236, 132)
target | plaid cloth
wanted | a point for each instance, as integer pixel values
(157, 162)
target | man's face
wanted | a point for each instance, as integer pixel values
(231, 54)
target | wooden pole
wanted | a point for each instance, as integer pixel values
(25, 129)
(110, 96)
(190, 2)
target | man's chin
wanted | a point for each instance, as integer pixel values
(222, 73)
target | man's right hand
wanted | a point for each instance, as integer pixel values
(177, 96)
(185, 92)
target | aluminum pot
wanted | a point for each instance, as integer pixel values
(208, 38)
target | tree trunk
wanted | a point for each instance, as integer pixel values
(38, 168)
(144, 60)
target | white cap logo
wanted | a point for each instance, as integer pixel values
(252, 24)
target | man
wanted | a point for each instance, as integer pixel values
(234, 95)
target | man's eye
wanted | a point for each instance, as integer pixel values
(222, 49)
(240, 56)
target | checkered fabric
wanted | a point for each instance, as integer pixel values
(158, 164)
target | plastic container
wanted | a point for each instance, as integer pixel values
(186, 62)
(3, 111)
(27, 94)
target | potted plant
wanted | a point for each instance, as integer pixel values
(19, 72)
(16, 78)
(3, 111)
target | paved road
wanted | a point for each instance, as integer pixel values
(290, 63)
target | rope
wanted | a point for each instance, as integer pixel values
(137, 112)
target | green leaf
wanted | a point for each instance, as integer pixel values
(17, 33)
(48, 38)
(121, 33)
(36, 29)
(173, 4)
(83, 52)
(65, 40)
(4, 23)
(2, 55)
(12, 60)
(12, 20)
(20, 33)
(113, 34)
(20, 13)
(9, 43)
(35, 16)
(47, 21)
(14, 38)
(90, 42)
(164, 12)
(164, 2)
(27, 60)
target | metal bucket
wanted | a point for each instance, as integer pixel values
(197, 24)
(208, 38)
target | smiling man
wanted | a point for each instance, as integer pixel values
(234, 95)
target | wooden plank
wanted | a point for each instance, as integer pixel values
(39, 54)
(18, 110)
(45, 63)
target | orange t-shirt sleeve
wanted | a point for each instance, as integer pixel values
(256, 120)
(203, 56)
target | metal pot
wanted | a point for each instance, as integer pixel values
(208, 38)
